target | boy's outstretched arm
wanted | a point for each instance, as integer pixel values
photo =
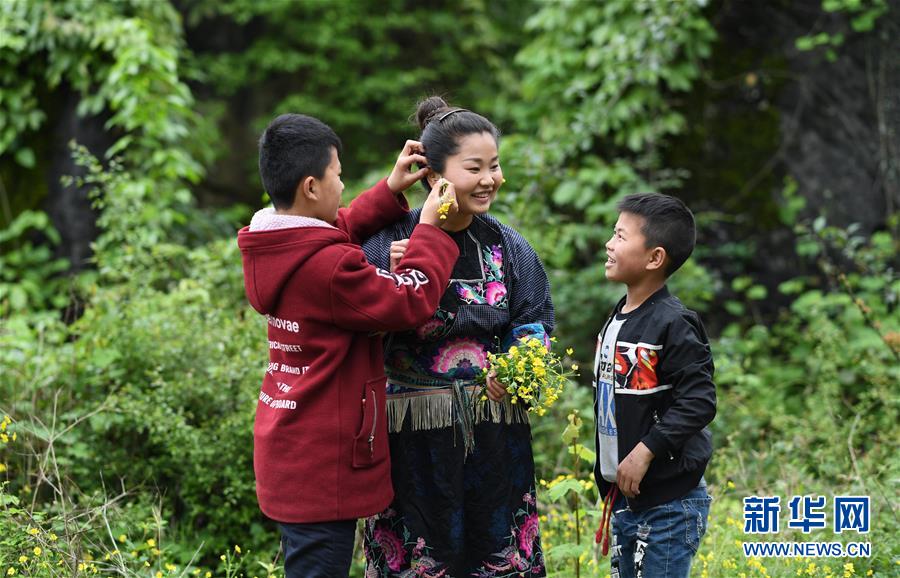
(366, 298)
(384, 203)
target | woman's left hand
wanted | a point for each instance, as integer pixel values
(495, 390)
(398, 249)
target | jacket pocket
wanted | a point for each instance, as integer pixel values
(370, 443)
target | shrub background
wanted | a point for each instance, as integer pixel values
(130, 361)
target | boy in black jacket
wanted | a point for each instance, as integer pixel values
(655, 396)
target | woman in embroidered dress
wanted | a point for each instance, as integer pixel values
(462, 469)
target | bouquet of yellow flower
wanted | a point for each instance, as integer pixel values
(531, 372)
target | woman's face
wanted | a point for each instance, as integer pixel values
(475, 173)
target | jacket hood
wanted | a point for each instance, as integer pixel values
(272, 256)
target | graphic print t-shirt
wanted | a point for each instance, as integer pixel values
(605, 372)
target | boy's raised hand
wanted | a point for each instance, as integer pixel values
(400, 178)
(442, 194)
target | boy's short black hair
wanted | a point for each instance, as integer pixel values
(668, 223)
(293, 147)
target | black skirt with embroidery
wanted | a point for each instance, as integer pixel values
(458, 516)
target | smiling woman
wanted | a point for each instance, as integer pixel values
(463, 474)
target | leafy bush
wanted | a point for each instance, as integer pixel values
(30, 277)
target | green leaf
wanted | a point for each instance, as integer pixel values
(804, 43)
(741, 283)
(735, 308)
(791, 286)
(757, 292)
(583, 453)
(25, 157)
(560, 489)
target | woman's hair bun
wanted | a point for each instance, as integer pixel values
(427, 110)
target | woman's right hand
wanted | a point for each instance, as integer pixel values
(430, 212)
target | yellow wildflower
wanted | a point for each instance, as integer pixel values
(151, 542)
(37, 550)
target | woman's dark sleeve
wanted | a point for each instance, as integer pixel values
(530, 305)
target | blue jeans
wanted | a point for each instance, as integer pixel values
(318, 550)
(659, 542)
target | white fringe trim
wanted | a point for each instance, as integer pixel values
(435, 411)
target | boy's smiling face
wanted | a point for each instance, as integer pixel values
(626, 252)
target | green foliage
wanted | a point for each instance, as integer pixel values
(120, 57)
(29, 274)
(153, 389)
(601, 82)
(105, 535)
(823, 376)
(860, 15)
(359, 65)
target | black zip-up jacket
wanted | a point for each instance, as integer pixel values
(665, 398)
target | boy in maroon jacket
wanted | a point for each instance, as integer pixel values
(320, 437)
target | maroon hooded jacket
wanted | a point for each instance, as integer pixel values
(320, 437)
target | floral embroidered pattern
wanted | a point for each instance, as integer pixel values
(470, 293)
(436, 327)
(392, 547)
(460, 358)
(386, 553)
(493, 290)
(523, 556)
